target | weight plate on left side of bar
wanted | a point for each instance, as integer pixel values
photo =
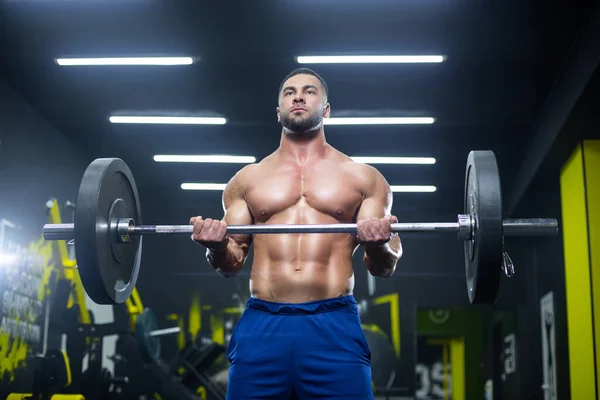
(108, 268)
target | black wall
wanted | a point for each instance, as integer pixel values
(37, 162)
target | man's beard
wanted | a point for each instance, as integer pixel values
(300, 124)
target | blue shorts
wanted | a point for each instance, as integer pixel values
(304, 351)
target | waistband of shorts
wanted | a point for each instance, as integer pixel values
(312, 307)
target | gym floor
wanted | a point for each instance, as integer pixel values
(525, 88)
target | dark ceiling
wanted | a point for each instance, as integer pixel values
(503, 58)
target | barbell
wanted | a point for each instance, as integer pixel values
(108, 234)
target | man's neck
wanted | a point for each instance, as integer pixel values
(304, 146)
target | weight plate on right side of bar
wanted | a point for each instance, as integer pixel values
(483, 202)
(107, 267)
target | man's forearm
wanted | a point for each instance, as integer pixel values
(381, 260)
(227, 260)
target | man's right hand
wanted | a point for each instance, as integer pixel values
(211, 233)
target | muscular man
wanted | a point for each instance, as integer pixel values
(300, 335)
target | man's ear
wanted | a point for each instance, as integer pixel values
(278, 114)
(327, 110)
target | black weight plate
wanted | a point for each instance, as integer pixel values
(383, 357)
(149, 345)
(483, 202)
(108, 268)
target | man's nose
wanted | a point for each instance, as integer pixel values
(299, 98)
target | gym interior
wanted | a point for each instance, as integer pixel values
(519, 79)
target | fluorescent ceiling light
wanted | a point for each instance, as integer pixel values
(205, 159)
(167, 120)
(395, 188)
(394, 160)
(126, 61)
(378, 121)
(413, 189)
(369, 59)
(203, 186)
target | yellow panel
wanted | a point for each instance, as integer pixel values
(577, 278)
(591, 161)
(457, 360)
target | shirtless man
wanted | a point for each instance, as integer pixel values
(300, 335)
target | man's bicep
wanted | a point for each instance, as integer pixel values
(236, 210)
(378, 204)
(237, 213)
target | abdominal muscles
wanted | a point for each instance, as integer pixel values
(302, 267)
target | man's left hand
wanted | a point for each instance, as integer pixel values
(375, 231)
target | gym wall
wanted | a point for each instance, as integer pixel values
(37, 163)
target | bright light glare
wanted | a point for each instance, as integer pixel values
(168, 120)
(378, 121)
(7, 259)
(369, 59)
(394, 160)
(125, 61)
(205, 159)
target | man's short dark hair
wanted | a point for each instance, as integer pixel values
(307, 71)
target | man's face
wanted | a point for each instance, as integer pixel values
(302, 104)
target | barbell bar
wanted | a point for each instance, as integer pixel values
(463, 228)
(108, 230)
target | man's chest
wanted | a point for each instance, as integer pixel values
(333, 191)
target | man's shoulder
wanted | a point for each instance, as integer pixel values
(362, 169)
(249, 172)
(372, 179)
(244, 174)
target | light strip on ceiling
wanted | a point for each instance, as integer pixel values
(395, 188)
(413, 189)
(167, 120)
(370, 59)
(125, 61)
(394, 160)
(203, 186)
(378, 120)
(215, 158)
